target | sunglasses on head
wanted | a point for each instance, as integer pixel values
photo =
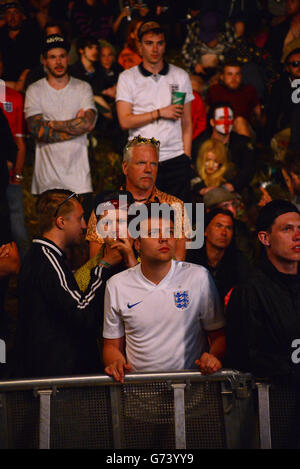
(295, 63)
(146, 141)
(64, 201)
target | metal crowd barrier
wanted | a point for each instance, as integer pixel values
(182, 410)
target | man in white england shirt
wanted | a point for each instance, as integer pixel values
(159, 315)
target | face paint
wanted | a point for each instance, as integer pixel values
(223, 120)
(211, 165)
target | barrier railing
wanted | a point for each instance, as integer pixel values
(179, 410)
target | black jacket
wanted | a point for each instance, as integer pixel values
(280, 106)
(58, 325)
(263, 319)
(231, 269)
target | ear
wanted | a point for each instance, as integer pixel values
(60, 223)
(124, 167)
(137, 244)
(264, 238)
(212, 122)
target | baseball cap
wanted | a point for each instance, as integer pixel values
(291, 48)
(271, 211)
(55, 41)
(216, 196)
(149, 26)
(11, 4)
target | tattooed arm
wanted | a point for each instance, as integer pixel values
(84, 122)
(60, 131)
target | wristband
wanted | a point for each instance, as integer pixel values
(106, 264)
(19, 177)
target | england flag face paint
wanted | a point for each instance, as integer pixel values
(224, 120)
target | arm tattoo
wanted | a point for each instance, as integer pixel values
(60, 131)
(41, 131)
(77, 126)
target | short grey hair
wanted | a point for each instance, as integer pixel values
(137, 142)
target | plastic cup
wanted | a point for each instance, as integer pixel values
(178, 97)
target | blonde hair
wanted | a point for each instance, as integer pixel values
(221, 153)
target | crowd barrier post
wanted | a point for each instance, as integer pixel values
(264, 415)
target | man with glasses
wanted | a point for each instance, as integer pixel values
(58, 325)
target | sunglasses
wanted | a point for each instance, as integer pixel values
(64, 201)
(146, 141)
(294, 64)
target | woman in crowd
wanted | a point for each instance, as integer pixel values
(212, 165)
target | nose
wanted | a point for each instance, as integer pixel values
(148, 167)
(297, 234)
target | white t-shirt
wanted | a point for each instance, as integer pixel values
(61, 165)
(148, 93)
(164, 324)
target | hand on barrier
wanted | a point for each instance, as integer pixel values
(208, 363)
(117, 370)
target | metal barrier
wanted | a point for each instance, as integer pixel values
(182, 410)
(279, 415)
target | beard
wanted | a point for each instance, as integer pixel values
(55, 74)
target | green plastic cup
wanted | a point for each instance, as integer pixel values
(178, 97)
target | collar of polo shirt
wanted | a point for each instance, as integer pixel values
(146, 73)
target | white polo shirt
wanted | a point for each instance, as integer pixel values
(61, 165)
(164, 324)
(147, 92)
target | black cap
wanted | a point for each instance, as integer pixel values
(271, 211)
(11, 4)
(55, 41)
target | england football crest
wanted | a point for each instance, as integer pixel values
(181, 299)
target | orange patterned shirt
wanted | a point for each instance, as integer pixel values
(156, 196)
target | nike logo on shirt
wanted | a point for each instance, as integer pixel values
(131, 306)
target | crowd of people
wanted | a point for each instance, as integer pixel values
(217, 130)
